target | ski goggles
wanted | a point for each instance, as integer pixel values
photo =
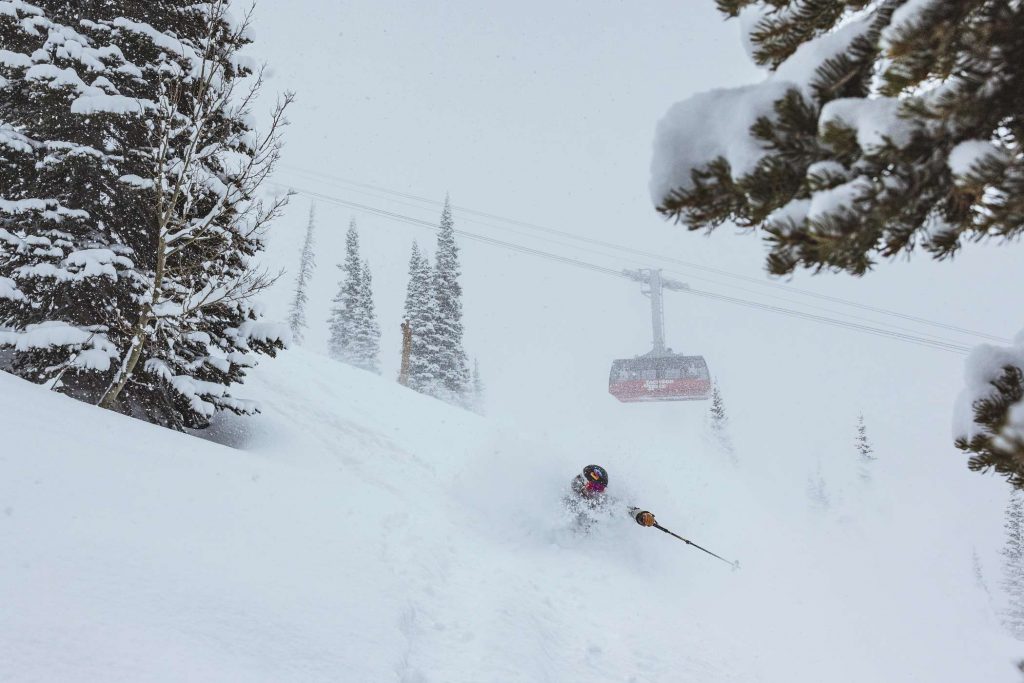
(595, 486)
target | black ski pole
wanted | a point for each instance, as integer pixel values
(735, 565)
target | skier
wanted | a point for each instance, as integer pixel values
(588, 495)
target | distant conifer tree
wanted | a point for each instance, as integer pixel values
(365, 351)
(346, 301)
(420, 312)
(307, 262)
(718, 423)
(453, 374)
(352, 322)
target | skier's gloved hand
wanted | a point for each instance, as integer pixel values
(644, 518)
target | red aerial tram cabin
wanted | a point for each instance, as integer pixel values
(660, 378)
(659, 375)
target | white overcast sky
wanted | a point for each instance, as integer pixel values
(544, 112)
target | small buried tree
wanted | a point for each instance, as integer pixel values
(865, 451)
(718, 424)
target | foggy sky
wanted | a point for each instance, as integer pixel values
(545, 112)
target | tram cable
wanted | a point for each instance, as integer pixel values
(929, 341)
(647, 262)
(648, 257)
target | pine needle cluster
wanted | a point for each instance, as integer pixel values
(996, 442)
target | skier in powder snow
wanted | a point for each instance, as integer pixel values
(588, 495)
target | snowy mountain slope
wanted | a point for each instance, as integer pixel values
(361, 532)
(349, 542)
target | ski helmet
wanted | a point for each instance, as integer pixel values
(596, 474)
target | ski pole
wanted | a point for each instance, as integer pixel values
(735, 565)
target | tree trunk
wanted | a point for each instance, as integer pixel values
(109, 399)
(403, 375)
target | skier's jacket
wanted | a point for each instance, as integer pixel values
(583, 497)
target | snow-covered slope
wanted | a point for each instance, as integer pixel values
(357, 531)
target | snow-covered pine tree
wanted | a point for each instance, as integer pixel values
(1013, 565)
(127, 224)
(717, 409)
(198, 322)
(346, 302)
(70, 149)
(420, 308)
(718, 423)
(354, 333)
(307, 262)
(881, 126)
(366, 340)
(453, 373)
